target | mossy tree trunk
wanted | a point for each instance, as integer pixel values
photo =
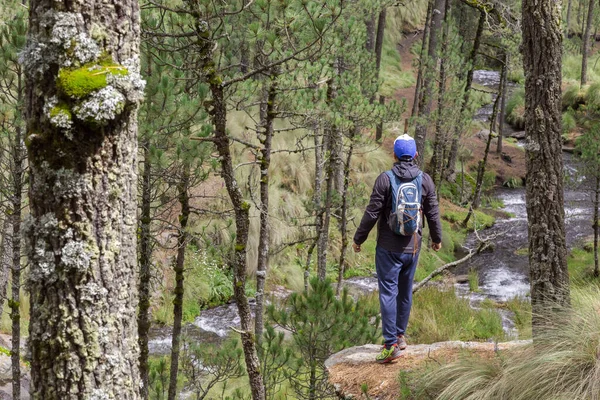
(502, 116)
(81, 239)
(266, 140)
(542, 62)
(183, 187)
(378, 54)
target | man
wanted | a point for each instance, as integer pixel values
(396, 255)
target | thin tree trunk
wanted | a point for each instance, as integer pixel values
(370, 25)
(145, 258)
(419, 85)
(378, 54)
(451, 165)
(82, 242)
(5, 259)
(344, 212)
(218, 112)
(542, 62)
(182, 237)
(319, 164)
(265, 230)
(429, 72)
(568, 23)
(502, 117)
(324, 236)
(15, 302)
(437, 158)
(586, 42)
(596, 226)
(482, 163)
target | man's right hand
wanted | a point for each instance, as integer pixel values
(436, 246)
(356, 247)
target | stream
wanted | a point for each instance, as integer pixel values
(503, 273)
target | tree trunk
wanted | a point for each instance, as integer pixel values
(419, 84)
(586, 42)
(17, 173)
(429, 72)
(327, 207)
(145, 255)
(482, 163)
(378, 54)
(319, 165)
(568, 23)
(596, 226)
(218, 112)
(437, 158)
(344, 211)
(451, 165)
(379, 127)
(82, 198)
(370, 25)
(5, 259)
(542, 55)
(183, 187)
(504, 84)
(265, 230)
(379, 39)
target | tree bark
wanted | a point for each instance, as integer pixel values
(451, 165)
(430, 70)
(5, 259)
(586, 42)
(17, 173)
(344, 212)
(568, 23)
(419, 84)
(503, 103)
(437, 158)
(183, 195)
(81, 242)
(218, 112)
(378, 55)
(542, 62)
(370, 26)
(596, 226)
(265, 230)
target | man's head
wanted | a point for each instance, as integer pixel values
(405, 147)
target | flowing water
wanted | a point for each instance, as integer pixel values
(503, 273)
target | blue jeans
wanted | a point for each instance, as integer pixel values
(395, 273)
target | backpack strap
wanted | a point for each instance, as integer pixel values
(394, 185)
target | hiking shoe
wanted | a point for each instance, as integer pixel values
(402, 345)
(388, 354)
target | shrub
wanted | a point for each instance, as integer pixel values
(573, 97)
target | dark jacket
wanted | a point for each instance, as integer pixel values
(380, 206)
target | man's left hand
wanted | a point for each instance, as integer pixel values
(356, 247)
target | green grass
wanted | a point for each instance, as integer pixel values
(473, 277)
(571, 68)
(581, 267)
(439, 315)
(521, 308)
(479, 220)
(562, 364)
(515, 109)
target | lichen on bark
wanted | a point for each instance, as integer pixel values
(81, 240)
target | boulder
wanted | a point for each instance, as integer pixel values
(519, 135)
(353, 370)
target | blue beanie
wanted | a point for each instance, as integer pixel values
(404, 146)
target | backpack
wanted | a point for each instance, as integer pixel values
(405, 216)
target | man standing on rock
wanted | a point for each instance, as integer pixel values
(400, 197)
